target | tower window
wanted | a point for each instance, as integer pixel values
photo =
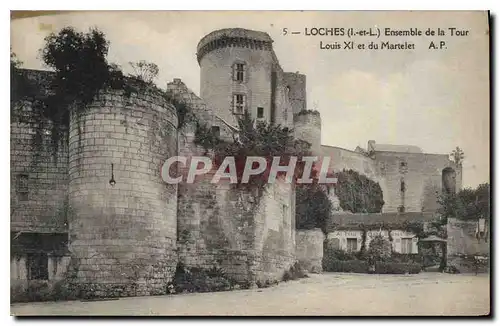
(260, 113)
(239, 103)
(239, 72)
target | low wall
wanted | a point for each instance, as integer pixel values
(309, 249)
(463, 244)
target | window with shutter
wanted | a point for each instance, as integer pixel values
(239, 103)
(406, 245)
(239, 70)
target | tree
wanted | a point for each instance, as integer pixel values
(81, 66)
(145, 71)
(357, 193)
(467, 204)
(457, 156)
(313, 207)
(254, 139)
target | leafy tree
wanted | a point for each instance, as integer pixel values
(357, 193)
(313, 207)
(467, 204)
(254, 139)
(81, 69)
(145, 71)
(457, 156)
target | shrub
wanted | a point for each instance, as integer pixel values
(339, 254)
(199, 280)
(406, 258)
(296, 271)
(347, 266)
(380, 249)
(397, 268)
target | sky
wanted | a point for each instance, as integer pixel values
(434, 99)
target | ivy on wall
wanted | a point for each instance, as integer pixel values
(254, 139)
(357, 193)
(80, 71)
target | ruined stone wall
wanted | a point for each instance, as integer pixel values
(309, 249)
(123, 237)
(297, 90)
(38, 173)
(283, 111)
(422, 178)
(307, 127)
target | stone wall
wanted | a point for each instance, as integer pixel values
(307, 127)
(123, 237)
(297, 90)
(309, 249)
(422, 179)
(247, 235)
(38, 173)
(462, 244)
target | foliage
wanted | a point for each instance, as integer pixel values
(313, 207)
(380, 249)
(81, 69)
(339, 254)
(467, 204)
(255, 139)
(397, 257)
(457, 156)
(295, 272)
(304, 112)
(344, 266)
(357, 193)
(397, 268)
(145, 71)
(199, 280)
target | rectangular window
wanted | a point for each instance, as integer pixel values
(239, 102)
(216, 131)
(22, 187)
(239, 72)
(260, 113)
(38, 266)
(406, 245)
(352, 244)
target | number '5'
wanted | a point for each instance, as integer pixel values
(285, 31)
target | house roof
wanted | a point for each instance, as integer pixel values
(349, 221)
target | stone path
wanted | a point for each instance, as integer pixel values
(333, 294)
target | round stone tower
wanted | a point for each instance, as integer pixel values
(236, 73)
(307, 127)
(122, 224)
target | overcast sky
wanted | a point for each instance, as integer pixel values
(434, 99)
